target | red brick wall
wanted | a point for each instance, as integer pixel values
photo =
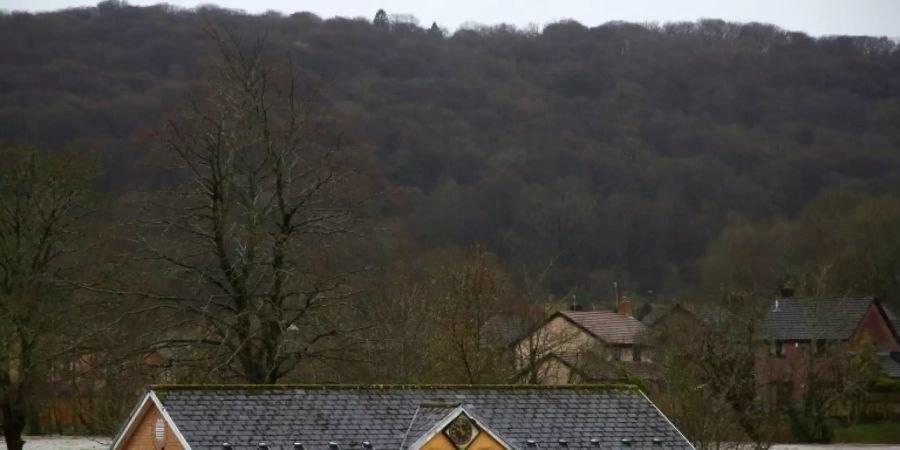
(792, 367)
(874, 325)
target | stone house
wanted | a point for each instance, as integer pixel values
(583, 347)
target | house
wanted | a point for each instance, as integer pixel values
(584, 346)
(797, 333)
(384, 417)
(661, 315)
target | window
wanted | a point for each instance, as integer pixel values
(615, 354)
(818, 347)
(636, 354)
(776, 349)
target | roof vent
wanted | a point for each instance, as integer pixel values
(263, 446)
(595, 442)
(160, 433)
(226, 446)
(298, 446)
(367, 445)
(563, 443)
(531, 443)
(626, 442)
(334, 446)
(657, 442)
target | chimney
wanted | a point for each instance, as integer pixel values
(624, 307)
(787, 289)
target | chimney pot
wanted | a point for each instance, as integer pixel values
(624, 307)
(786, 289)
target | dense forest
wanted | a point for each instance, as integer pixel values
(216, 197)
(614, 153)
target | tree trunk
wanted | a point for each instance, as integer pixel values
(13, 424)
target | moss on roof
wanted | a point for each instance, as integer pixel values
(377, 387)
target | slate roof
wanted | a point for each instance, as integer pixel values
(610, 327)
(425, 417)
(890, 363)
(384, 415)
(806, 318)
(893, 318)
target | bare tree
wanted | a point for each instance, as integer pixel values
(533, 350)
(538, 341)
(249, 244)
(468, 296)
(708, 364)
(43, 200)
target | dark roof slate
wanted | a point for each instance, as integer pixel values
(890, 364)
(279, 416)
(893, 318)
(807, 319)
(425, 418)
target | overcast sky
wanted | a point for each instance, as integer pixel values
(816, 17)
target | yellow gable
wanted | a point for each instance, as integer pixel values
(483, 441)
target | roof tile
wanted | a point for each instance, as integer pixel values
(610, 327)
(382, 415)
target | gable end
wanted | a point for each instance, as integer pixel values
(140, 430)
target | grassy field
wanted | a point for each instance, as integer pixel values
(885, 432)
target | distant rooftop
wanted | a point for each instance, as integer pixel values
(608, 326)
(809, 318)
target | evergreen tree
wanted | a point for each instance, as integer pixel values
(435, 30)
(381, 20)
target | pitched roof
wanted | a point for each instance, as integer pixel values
(439, 423)
(660, 311)
(386, 416)
(425, 417)
(610, 327)
(893, 318)
(806, 318)
(890, 363)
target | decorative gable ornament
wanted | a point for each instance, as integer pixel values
(461, 431)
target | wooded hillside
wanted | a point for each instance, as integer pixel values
(618, 151)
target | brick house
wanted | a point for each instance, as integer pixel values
(798, 333)
(584, 347)
(384, 417)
